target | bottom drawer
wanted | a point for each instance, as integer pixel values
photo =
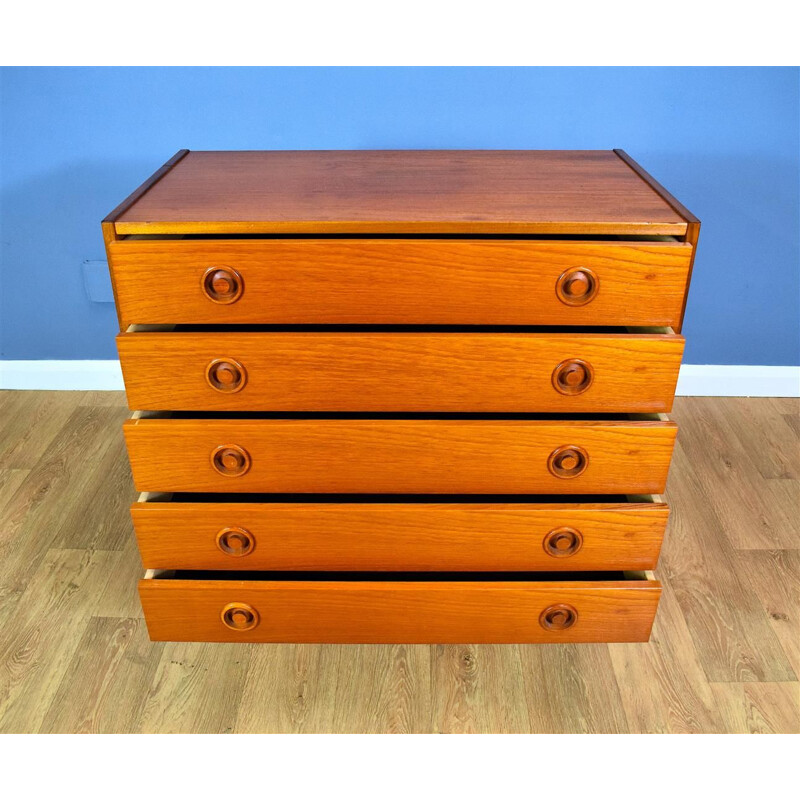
(399, 607)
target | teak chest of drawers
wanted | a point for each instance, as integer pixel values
(400, 396)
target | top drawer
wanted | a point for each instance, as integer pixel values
(399, 281)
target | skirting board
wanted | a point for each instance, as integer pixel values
(737, 380)
(63, 375)
(698, 380)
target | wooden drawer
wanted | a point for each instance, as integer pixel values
(230, 370)
(545, 533)
(253, 607)
(400, 281)
(530, 455)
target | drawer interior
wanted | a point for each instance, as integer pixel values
(619, 330)
(256, 497)
(387, 415)
(144, 237)
(613, 576)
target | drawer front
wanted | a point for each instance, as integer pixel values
(400, 281)
(321, 371)
(399, 456)
(404, 611)
(399, 536)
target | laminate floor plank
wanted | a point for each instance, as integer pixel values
(27, 435)
(767, 439)
(724, 469)
(10, 481)
(39, 642)
(290, 688)
(120, 598)
(785, 405)
(478, 689)
(732, 636)
(662, 685)
(107, 680)
(793, 423)
(197, 688)
(396, 697)
(75, 655)
(759, 707)
(99, 519)
(15, 416)
(98, 398)
(774, 576)
(572, 688)
(70, 467)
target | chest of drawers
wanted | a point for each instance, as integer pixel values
(400, 396)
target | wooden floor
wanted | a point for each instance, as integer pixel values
(74, 652)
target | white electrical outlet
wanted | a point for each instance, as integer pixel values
(97, 281)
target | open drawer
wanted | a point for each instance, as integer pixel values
(399, 607)
(439, 533)
(454, 454)
(218, 368)
(401, 280)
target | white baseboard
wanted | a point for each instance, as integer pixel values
(65, 375)
(738, 380)
(708, 380)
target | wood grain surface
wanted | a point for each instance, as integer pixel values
(450, 372)
(409, 536)
(408, 612)
(134, 196)
(399, 281)
(664, 193)
(75, 655)
(385, 191)
(399, 456)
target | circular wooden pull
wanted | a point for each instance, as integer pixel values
(558, 617)
(573, 376)
(226, 375)
(568, 461)
(577, 286)
(222, 285)
(563, 542)
(230, 460)
(236, 542)
(240, 617)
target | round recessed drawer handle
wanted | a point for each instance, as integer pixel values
(230, 460)
(240, 617)
(577, 286)
(558, 617)
(563, 542)
(226, 375)
(568, 461)
(222, 285)
(236, 542)
(573, 376)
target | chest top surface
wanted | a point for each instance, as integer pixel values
(401, 191)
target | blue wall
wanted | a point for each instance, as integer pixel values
(75, 141)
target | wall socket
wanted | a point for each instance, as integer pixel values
(97, 281)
